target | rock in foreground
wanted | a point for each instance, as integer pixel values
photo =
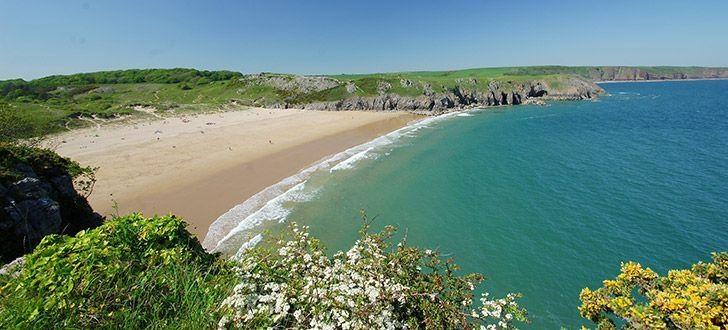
(38, 198)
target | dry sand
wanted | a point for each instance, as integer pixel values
(198, 167)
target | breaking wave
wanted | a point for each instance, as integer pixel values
(235, 231)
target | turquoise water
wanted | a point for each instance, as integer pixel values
(545, 200)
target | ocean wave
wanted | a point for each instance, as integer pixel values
(233, 232)
(349, 162)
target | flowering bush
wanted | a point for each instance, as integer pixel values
(294, 284)
(694, 298)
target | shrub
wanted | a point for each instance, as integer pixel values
(294, 284)
(45, 163)
(695, 298)
(135, 272)
(130, 272)
(12, 126)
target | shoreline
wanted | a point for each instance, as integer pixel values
(231, 234)
(200, 166)
(655, 80)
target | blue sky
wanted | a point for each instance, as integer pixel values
(39, 38)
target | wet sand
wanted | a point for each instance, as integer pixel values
(198, 167)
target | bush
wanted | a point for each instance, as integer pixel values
(294, 284)
(136, 272)
(12, 126)
(695, 298)
(45, 163)
(130, 272)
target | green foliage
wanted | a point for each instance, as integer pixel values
(12, 126)
(131, 272)
(293, 283)
(137, 272)
(695, 298)
(41, 88)
(44, 162)
(51, 104)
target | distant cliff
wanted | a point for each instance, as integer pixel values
(617, 73)
(629, 73)
(428, 97)
(436, 92)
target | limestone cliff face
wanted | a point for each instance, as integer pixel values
(41, 201)
(465, 95)
(624, 73)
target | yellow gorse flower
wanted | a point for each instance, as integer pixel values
(695, 298)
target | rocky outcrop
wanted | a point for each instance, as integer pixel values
(462, 96)
(40, 201)
(293, 83)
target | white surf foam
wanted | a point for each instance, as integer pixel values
(349, 162)
(232, 233)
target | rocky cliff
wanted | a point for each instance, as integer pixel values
(628, 73)
(465, 93)
(38, 198)
(621, 73)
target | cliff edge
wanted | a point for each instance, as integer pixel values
(38, 198)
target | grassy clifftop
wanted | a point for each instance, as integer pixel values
(57, 103)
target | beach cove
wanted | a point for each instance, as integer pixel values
(199, 166)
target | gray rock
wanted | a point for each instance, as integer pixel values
(36, 218)
(383, 87)
(350, 87)
(292, 83)
(103, 90)
(34, 207)
(427, 89)
(64, 185)
(462, 96)
(28, 188)
(13, 268)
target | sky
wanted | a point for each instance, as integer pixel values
(40, 38)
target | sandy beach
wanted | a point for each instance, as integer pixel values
(200, 166)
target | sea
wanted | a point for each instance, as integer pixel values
(544, 200)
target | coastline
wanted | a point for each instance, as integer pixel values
(200, 166)
(654, 80)
(230, 234)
